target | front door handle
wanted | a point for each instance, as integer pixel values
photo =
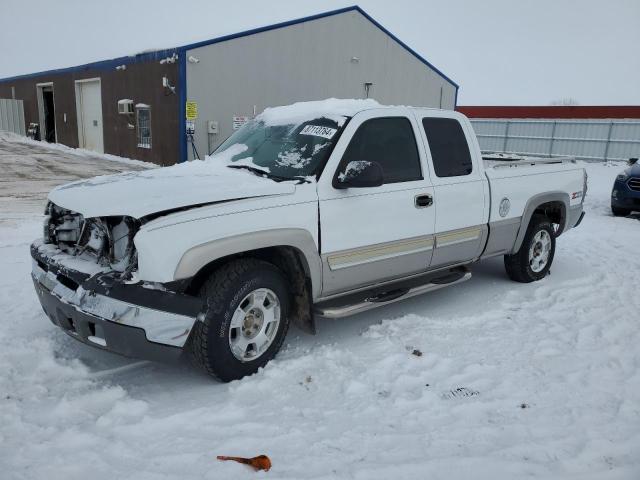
(423, 201)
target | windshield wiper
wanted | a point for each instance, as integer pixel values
(272, 176)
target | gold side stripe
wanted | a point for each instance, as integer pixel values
(458, 236)
(395, 249)
(371, 254)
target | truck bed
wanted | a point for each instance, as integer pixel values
(519, 178)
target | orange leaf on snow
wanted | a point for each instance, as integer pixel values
(261, 462)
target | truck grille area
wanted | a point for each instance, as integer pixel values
(634, 184)
(107, 241)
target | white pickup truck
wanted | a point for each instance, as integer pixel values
(314, 209)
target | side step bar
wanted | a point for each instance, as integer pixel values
(339, 311)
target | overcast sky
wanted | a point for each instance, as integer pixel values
(502, 52)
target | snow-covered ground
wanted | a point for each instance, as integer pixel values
(539, 380)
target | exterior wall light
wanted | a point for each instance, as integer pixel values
(171, 59)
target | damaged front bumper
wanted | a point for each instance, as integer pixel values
(100, 310)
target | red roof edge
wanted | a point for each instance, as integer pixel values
(626, 111)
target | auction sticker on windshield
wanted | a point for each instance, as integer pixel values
(318, 131)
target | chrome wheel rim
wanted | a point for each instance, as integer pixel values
(539, 251)
(254, 324)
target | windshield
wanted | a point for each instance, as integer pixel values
(290, 151)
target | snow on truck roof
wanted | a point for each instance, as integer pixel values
(333, 108)
(299, 112)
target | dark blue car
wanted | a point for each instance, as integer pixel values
(625, 196)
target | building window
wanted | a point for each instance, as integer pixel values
(143, 121)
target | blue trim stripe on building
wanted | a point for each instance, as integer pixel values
(159, 54)
(266, 28)
(405, 46)
(182, 106)
(156, 55)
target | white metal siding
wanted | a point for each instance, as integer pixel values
(12, 116)
(306, 61)
(588, 139)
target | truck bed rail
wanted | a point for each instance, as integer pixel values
(497, 160)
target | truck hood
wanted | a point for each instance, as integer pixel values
(138, 194)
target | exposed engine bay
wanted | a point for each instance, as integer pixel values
(108, 241)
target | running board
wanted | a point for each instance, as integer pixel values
(339, 311)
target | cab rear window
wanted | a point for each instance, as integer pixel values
(449, 148)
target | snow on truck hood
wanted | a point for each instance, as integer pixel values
(142, 193)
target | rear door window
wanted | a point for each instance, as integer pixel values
(390, 142)
(449, 148)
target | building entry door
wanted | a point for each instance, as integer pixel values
(46, 112)
(89, 111)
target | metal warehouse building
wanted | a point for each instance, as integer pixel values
(586, 132)
(164, 106)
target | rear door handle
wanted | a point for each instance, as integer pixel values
(423, 201)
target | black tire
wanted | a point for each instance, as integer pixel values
(620, 212)
(518, 265)
(223, 291)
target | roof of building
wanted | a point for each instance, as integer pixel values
(167, 53)
(569, 111)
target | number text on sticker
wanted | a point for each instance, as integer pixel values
(318, 131)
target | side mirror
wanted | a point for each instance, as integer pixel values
(633, 161)
(359, 174)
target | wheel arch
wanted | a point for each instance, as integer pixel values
(553, 205)
(291, 250)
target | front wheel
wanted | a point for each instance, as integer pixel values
(246, 319)
(533, 260)
(620, 212)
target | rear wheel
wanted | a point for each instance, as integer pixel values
(620, 212)
(533, 260)
(246, 319)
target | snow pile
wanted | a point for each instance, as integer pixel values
(31, 169)
(53, 392)
(489, 379)
(77, 152)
